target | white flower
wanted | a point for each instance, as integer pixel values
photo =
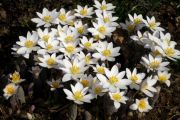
(107, 17)
(84, 12)
(80, 27)
(105, 51)
(118, 97)
(87, 44)
(154, 63)
(70, 49)
(73, 70)
(54, 84)
(152, 24)
(86, 80)
(50, 61)
(101, 29)
(136, 78)
(64, 17)
(71, 35)
(140, 38)
(60, 29)
(163, 77)
(27, 44)
(87, 58)
(16, 78)
(103, 6)
(97, 88)
(46, 18)
(79, 94)
(129, 26)
(51, 46)
(99, 69)
(45, 35)
(114, 79)
(147, 86)
(142, 105)
(137, 19)
(167, 49)
(10, 90)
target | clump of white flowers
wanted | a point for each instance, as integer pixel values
(82, 52)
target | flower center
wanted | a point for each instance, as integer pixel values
(15, 77)
(55, 84)
(29, 44)
(75, 70)
(80, 30)
(104, 7)
(97, 37)
(142, 104)
(162, 78)
(10, 89)
(47, 18)
(87, 45)
(137, 21)
(49, 47)
(152, 25)
(130, 27)
(46, 38)
(113, 80)
(100, 70)
(106, 19)
(88, 59)
(62, 17)
(70, 49)
(106, 53)
(78, 95)
(154, 64)
(69, 38)
(51, 61)
(102, 29)
(85, 82)
(83, 12)
(98, 90)
(169, 52)
(134, 78)
(116, 96)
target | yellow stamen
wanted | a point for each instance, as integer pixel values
(87, 45)
(106, 19)
(100, 70)
(134, 78)
(69, 38)
(83, 12)
(78, 95)
(103, 7)
(152, 25)
(47, 18)
(29, 43)
(80, 30)
(62, 17)
(88, 59)
(142, 104)
(46, 38)
(70, 49)
(116, 96)
(15, 77)
(102, 29)
(10, 89)
(51, 61)
(154, 64)
(169, 52)
(98, 90)
(162, 78)
(49, 47)
(137, 21)
(55, 84)
(75, 70)
(106, 53)
(85, 83)
(113, 80)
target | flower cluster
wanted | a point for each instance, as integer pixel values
(80, 46)
(12, 87)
